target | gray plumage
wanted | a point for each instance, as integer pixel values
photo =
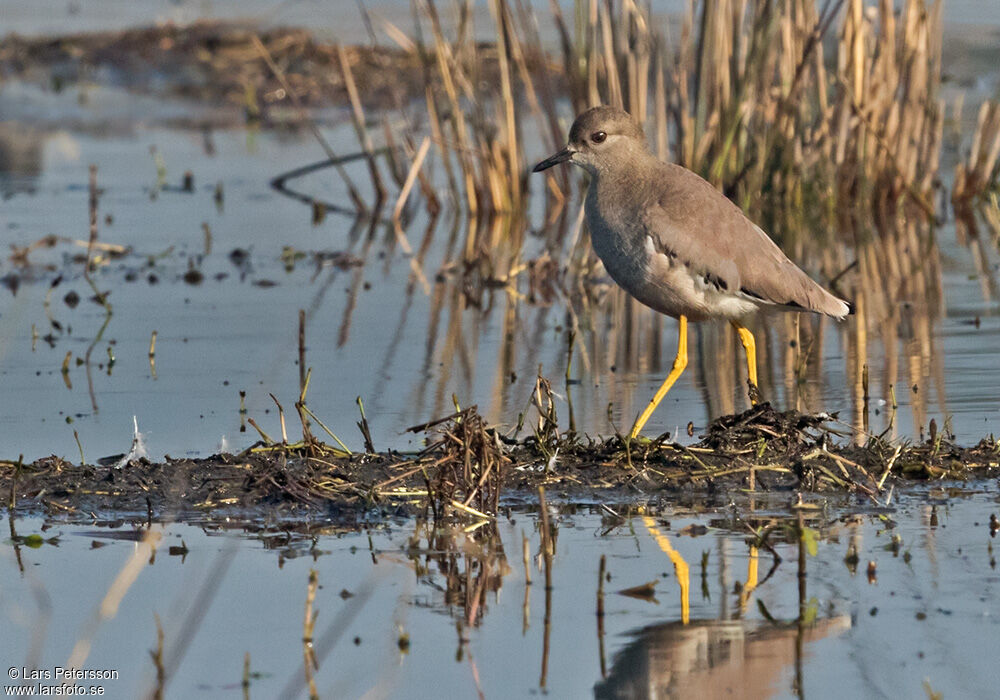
(672, 240)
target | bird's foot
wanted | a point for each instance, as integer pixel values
(637, 439)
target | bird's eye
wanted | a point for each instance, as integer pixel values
(598, 137)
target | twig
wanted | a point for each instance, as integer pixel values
(888, 466)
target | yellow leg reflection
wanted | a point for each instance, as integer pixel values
(680, 362)
(751, 583)
(750, 347)
(680, 566)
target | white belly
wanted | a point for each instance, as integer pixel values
(668, 285)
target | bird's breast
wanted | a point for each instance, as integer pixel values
(616, 244)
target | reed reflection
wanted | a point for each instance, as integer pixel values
(466, 564)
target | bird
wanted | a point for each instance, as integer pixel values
(677, 244)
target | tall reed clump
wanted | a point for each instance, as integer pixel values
(813, 115)
(980, 172)
(772, 105)
(789, 106)
(473, 93)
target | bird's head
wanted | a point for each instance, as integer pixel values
(600, 138)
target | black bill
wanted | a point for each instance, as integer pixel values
(560, 157)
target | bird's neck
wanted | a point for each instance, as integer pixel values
(618, 177)
(625, 165)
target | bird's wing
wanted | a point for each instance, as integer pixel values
(695, 223)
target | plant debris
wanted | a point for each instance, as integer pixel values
(469, 470)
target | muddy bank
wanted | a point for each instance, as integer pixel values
(470, 470)
(223, 63)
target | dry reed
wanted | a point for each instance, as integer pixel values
(770, 101)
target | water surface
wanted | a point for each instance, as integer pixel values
(473, 623)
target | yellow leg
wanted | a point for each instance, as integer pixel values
(681, 569)
(680, 362)
(751, 583)
(750, 347)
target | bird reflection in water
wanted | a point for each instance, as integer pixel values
(711, 658)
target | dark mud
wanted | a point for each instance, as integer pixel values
(471, 471)
(222, 63)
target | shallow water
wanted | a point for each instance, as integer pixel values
(929, 615)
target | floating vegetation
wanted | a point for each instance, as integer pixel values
(469, 470)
